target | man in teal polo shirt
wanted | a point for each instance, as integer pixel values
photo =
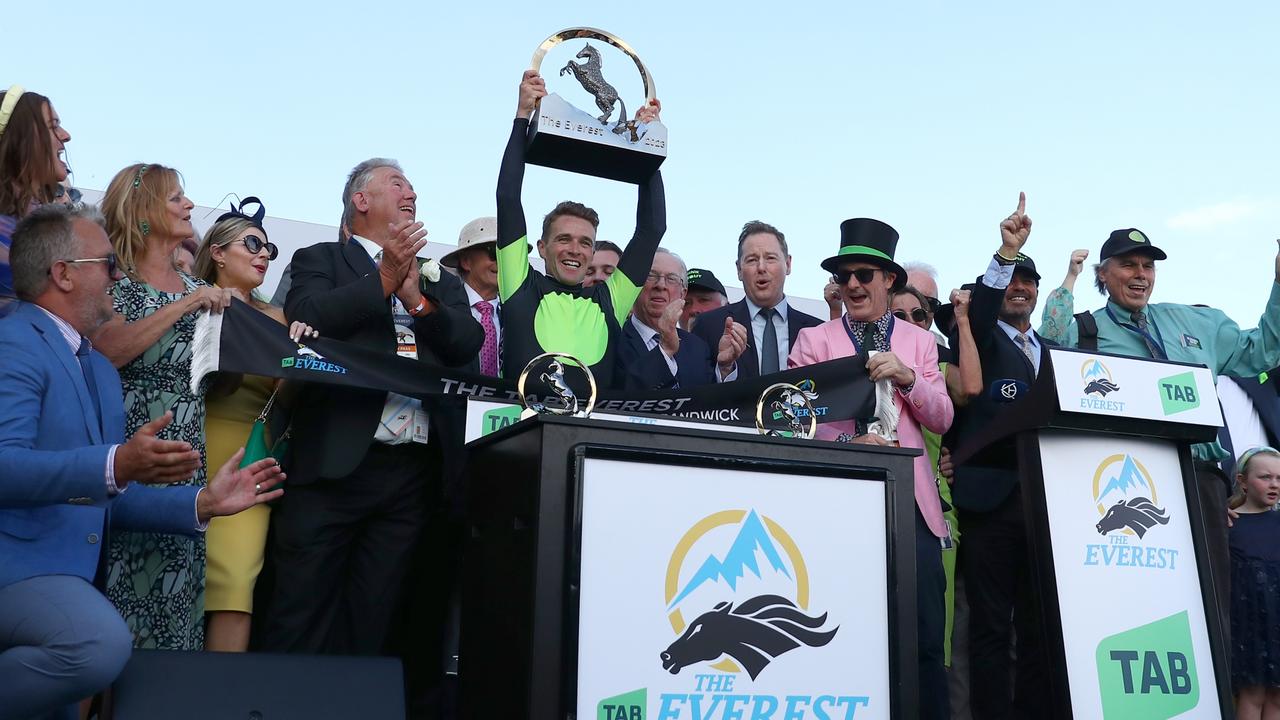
(1130, 325)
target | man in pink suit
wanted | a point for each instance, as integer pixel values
(907, 357)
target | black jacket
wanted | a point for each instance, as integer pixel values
(640, 368)
(710, 326)
(336, 289)
(983, 484)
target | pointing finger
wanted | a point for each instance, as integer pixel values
(1022, 202)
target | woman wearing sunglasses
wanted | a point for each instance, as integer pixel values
(235, 256)
(156, 581)
(32, 140)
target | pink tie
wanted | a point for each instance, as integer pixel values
(488, 351)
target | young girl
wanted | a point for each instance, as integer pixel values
(1255, 586)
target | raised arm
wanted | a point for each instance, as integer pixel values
(964, 378)
(1249, 352)
(637, 257)
(513, 255)
(1056, 318)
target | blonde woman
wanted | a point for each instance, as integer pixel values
(235, 256)
(156, 581)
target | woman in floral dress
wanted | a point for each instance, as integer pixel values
(156, 581)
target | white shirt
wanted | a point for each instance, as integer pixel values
(401, 415)
(650, 337)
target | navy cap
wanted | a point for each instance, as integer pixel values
(705, 280)
(1027, 265)
(1128, 240)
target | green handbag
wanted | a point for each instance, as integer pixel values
(255, 447)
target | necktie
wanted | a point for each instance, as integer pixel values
(488, 351)
(769, 350)
(868, 338)
(86, 366)
(1025, 346)
(1140, 320)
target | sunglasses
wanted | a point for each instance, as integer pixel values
(110, 260)
(864, 275)
(254, 245)
(918, 315)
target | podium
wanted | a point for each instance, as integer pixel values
(624, 571)
(1116, 533)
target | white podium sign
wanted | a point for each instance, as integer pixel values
(718, 593)
(1135, 388)
(1133, 618)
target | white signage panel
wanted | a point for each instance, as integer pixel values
(1135, 388)
(1133, 619)
(713, 593)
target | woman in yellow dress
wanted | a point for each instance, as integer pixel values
(235, 255)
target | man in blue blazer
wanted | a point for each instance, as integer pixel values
(655, 354)
(67, 475)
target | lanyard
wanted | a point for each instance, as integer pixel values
(888, 332)
(1155, 343)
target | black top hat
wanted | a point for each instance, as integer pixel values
(1123, 242)
(868, 240)
(705, 280)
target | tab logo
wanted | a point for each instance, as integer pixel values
(1178, 393)
(1149, 671)
(498, 418)
(627, 706)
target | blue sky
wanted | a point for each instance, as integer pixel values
(930, 116)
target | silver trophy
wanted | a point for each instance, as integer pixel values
(785, 410)
(565, 137)
(558, 398)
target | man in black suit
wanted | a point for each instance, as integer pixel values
(655, 353)
(987, 490)
(760, 329)
(365, 465)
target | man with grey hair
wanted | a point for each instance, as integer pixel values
(363, 476)
(69, 476)
(924, 277)
(1129, 324)
(655, 352)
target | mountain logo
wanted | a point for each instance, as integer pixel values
(1097, 378)
(751, 598)
(1126, 497)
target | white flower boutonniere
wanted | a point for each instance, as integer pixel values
(429, 270)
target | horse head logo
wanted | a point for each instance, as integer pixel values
(1101, 386)
(304, 351)
(1138, 515)
(753, 634)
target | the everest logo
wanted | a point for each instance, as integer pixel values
(304, 358)
(750, 599)
(1126, 497)
(1097, 378)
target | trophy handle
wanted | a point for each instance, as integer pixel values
(604, 36)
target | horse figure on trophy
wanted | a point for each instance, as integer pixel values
(588, 74)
